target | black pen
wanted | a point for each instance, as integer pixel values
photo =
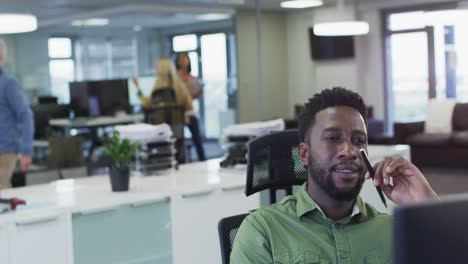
(372, 173)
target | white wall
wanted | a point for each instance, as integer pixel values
(275, 75)
(363, 73)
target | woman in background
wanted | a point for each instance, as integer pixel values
(184, 69)
(195, 88)
(167, 78)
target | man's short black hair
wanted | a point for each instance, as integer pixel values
(336, 96)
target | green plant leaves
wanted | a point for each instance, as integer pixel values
(121, 150)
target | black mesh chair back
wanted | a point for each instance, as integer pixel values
(42, 114)
(227, 230)
(162, 96)
(273, 163)
(174, 116)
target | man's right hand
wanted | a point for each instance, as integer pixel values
(25, 162)
(409, 184)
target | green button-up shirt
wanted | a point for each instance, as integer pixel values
(296, 231)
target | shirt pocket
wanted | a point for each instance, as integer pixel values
(299, 258)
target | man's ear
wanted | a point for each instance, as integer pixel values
(304, 153)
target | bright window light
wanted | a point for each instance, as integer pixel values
(17, 23)
(342, 28)
(301, 3)
(406, 20)
(446, 17)
(60, 48)
(184, 42)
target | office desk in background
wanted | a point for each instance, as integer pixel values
(93, 124)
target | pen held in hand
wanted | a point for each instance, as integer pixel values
(372, 173)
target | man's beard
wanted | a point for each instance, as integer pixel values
(324, 179)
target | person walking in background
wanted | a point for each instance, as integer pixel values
(184, 71)
(16, 121)
(195, 88)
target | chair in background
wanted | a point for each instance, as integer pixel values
(273, 164)
(227, 230)
(65, 152)
(163, 96)
(42, 114)
(47, 99)
(174, 116)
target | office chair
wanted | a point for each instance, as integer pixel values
(273, 164)
(163, 96)
(65, 152)
(174, 116)
(227, 230)
(42, 114)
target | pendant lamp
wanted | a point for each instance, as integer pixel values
(17, 23)
(351, 27)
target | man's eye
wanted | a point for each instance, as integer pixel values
(359, 141)
(332, 138)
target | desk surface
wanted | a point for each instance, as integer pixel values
(96, 121)
(84, 194)
(77, 195)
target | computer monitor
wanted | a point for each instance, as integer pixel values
(430, 233)
(44, 99)
(105, 97)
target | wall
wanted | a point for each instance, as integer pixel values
(273, 103)
(363, 74)
(306, 76)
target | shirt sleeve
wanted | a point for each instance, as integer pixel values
(23, 115)
(251, 244)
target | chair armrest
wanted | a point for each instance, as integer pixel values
(403, 130)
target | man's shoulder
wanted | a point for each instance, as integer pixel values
(9, 80)
(285, 207)
(374, 214)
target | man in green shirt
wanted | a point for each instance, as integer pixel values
(326, 221)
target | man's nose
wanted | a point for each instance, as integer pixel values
(348, 151)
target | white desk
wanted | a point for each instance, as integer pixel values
(96, 121)
(170, 218)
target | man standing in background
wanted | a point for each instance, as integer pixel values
(16, 124)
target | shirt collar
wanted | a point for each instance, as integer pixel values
(305, 204)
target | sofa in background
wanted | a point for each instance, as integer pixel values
(437, 149)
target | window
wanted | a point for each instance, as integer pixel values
(101, 58)
(61, 67)
(210, 60)
(184, 43)
(425, 58)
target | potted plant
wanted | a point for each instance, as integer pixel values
(121, 151)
